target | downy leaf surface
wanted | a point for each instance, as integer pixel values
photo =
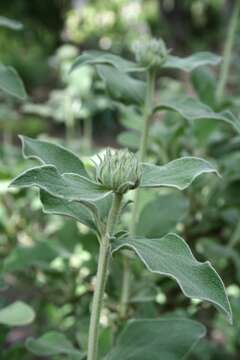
(192, 109)
(191, 62)
(11, 83)
(17, 314)
(171, 256)
(179, 173)
(167, 339)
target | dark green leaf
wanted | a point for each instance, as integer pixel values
(52, 343)
(161, 215)
(167, 339)
(171, 256)
(101, 57)
(179, 173)
(121, 85)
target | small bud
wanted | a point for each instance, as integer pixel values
(119, 171)
(151, 53)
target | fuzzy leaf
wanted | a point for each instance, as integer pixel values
(52, 154)
(93, 57)
(17, 314)
(50, 344)
(161, 215)
(121, 85)
(11, 83)
(147, 340)
(192, 62)
(71, 187)
(192, 109)
(171, 256)
(179, 173)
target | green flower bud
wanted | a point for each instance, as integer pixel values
(151, 53)
(119, 171)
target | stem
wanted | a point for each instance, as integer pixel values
(236, 236)
(88, 133)
(142, 155)
(102, 272)
(228, 52)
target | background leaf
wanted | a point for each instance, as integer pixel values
(11, 83)
(169, 339)
(192, 62)
(17, 314)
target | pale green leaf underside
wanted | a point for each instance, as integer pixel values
(52, 154)
(192, 62)
(167, 339)
(11, 83)
(71, 187)
(122, 86)
(179, 173)
(50, 344)
(10, 23)
(192, 109)
(171, 256)
(93, 57)
(17, 314)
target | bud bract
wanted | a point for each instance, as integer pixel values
(119, 170)
(151, 53)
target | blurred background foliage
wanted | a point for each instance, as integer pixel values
(50, 263)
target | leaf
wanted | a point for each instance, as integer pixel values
(9, 23)
(94, 57)
(11, 83)
(71, 187)
(171, 256)
(179, 173)
(162, 215)
(192, 62)
(205, 83)
(48, 153)
(192, 109)
(167, 339)
(122, 86)
(130, 139)
(17, 314)
(50, 344)
(79, 212)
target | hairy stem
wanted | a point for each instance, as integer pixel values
(228, 52)
(102, 272)
(125, 290)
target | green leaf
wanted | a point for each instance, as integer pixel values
(17, 314)
(50, 344)
(205, 83)
(130, 139)
(161, 215)
(192, 109)
(9, 23)
(11, 83)
(122, 86)
(179, 173)
(48, 153)
(171, 256)
(70, 187)
(93, 57)
(167, 339)
(192, 62)
(79, 212)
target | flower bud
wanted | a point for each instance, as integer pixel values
(119, 171)
(151, 53)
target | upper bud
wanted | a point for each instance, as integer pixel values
(151, 53)
(119, 171)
